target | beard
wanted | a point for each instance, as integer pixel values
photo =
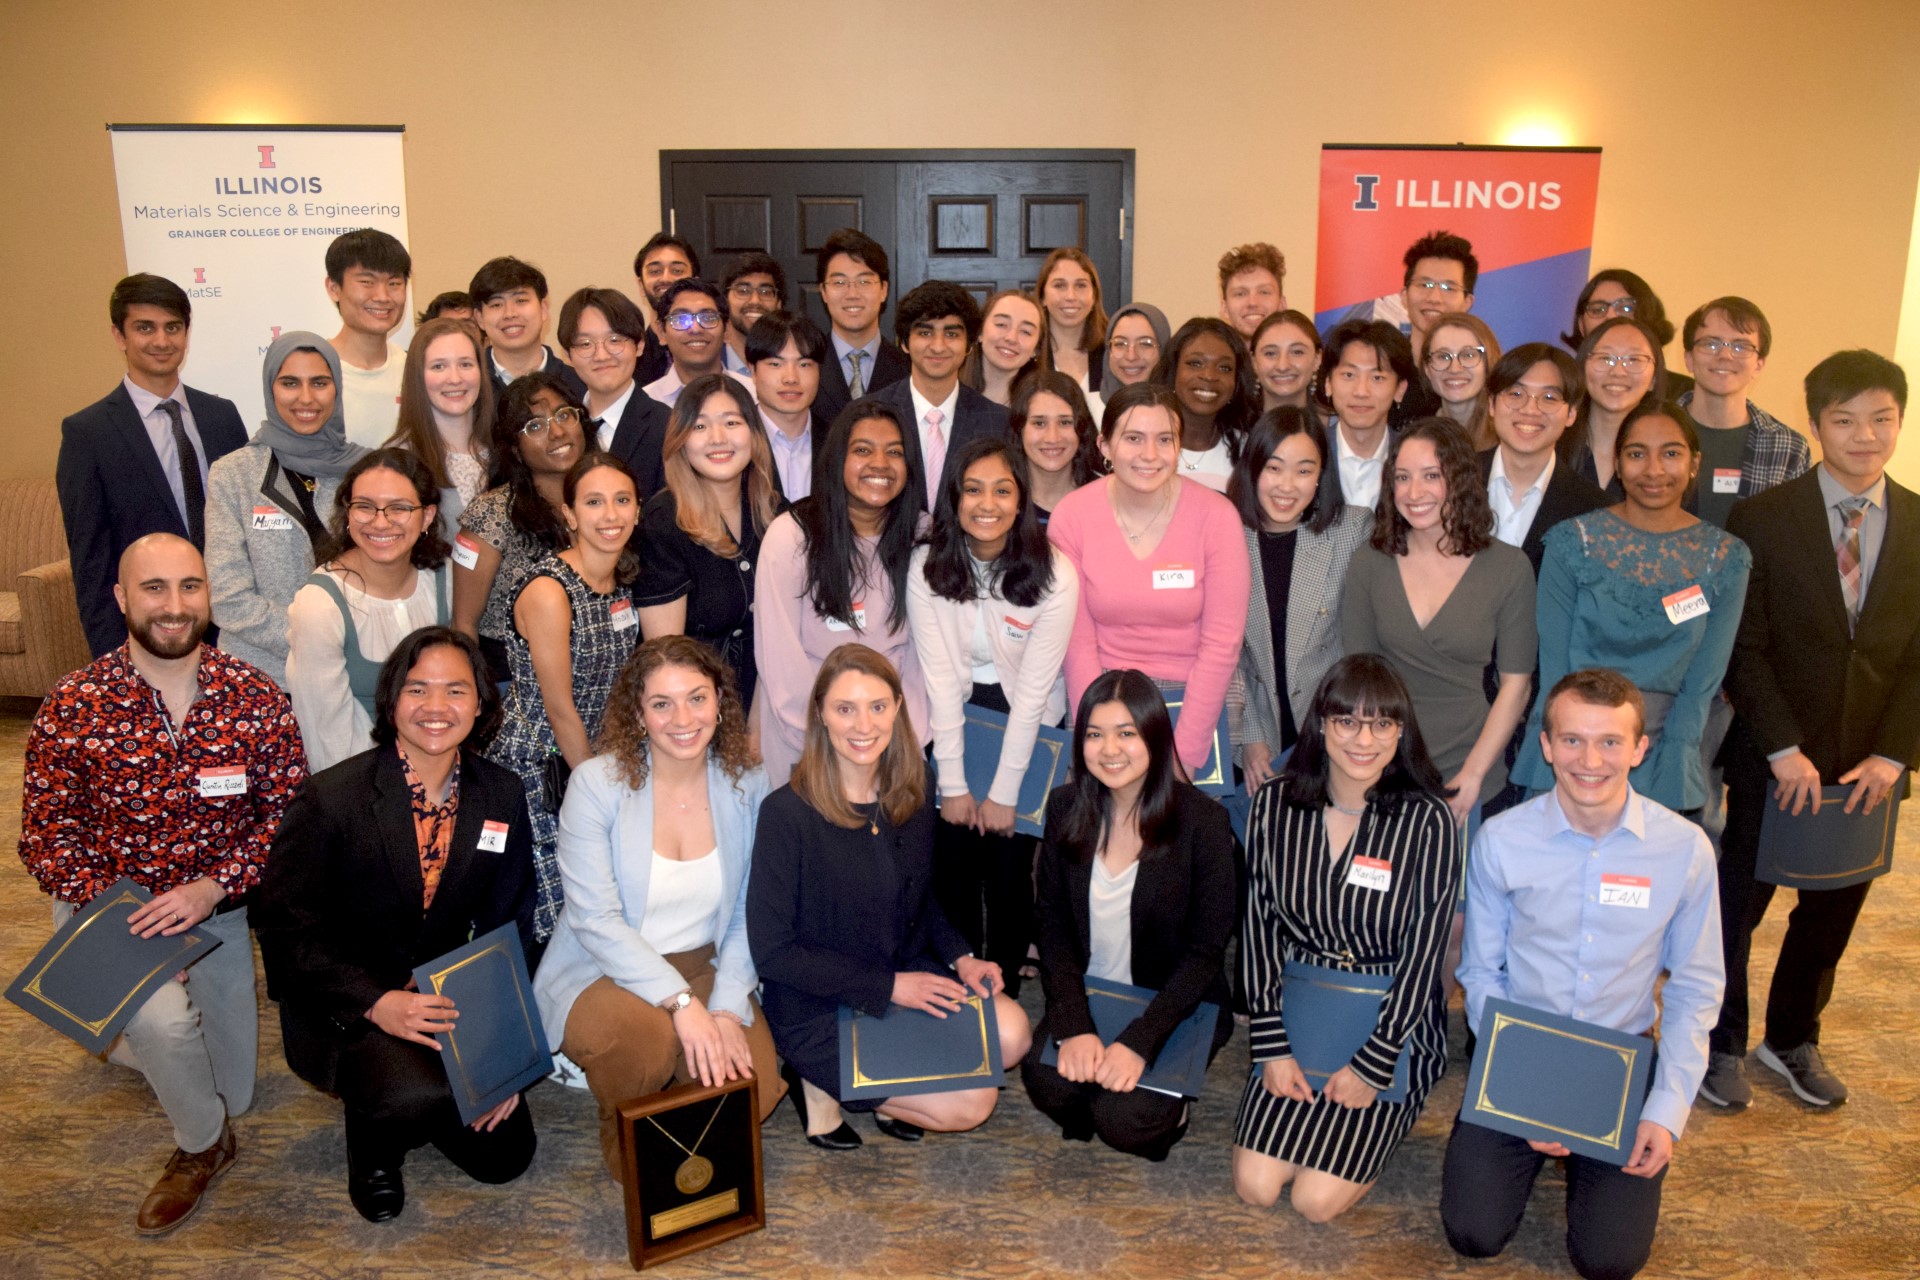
(159, 646)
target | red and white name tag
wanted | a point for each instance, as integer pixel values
(493, 837)
(1688, 602)
(859, 618)
(466, 552)
(1174, 577)
(1626, 891)
(230, 781)
(620, 613)
(1371, 873)
(1016, 629)
(1726, 479)
(268, 518)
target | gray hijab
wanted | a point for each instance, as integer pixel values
(327, 451)
(1162, 334)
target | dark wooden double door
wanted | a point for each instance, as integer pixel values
(985, 219)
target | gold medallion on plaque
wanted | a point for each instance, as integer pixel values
(693, 1175)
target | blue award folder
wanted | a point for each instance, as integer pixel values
(907, 1051)
(1180, 1069)
(1215, 777)
(94, 974)
(1047, 768)
(1831, 849)
(1329, 1015)
(497, 1046)
(1547, 1078)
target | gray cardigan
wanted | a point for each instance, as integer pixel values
(1313, 625)
(255, 565)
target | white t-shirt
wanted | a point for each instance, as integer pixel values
(371, 398)
(682, 898)
(1110, 922)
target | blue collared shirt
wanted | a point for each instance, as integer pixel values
(160, 432)
(870, 353)
(1539, 933)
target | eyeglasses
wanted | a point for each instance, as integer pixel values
(1632, 364)
(865, 282)
(1350, 726)
(688, 321)
(1518, 397)
(1124, 345)
(564, 417)
(614, 344)
(1446, 288)
(743, 291)
(1739, 348)
(367, 513)
(1598, 310)
(1465, 357)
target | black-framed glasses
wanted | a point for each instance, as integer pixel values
(688, 321)
(1466, 357)
(565, 416)
(1350, 726)
(366, 512)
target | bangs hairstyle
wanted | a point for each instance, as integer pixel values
(1846, 374)
(1023, 572)
(696, 509)
(1741, 314)
(1647, 307)
(1361, 684)
(1577, 436)
(1094, 335)
(1442, 244)
(615, 307)
(429, 550)
(145, 289)
(1466, 518)
(503, 275)
(400, 664)
(1238, 414)
(527, 510)
(416, 430)
(901, 781)
(826, 528)
(1089, 811)
(973, 371)
(1088, 465)
(1651, 408)
(1141, 395)
(768, 337)
(1518, 363)
(1274, 426)
(371, 250)
(627, 568)
(623, 730)
(1298, 319)
(1389, 346)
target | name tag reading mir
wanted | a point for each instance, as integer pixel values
(1626, 891)
(1686, 603)
(230, 781)
(1174, 577)
(493, 837)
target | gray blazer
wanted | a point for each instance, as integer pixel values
(606, 859)
(252, 572)
(1313, 625)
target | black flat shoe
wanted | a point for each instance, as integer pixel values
(904, 1130)
(379, 1194)
(841, 1139)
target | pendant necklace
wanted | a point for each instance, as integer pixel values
(696, 1171)
(1135, 537)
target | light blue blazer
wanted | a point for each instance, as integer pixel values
(606, 858)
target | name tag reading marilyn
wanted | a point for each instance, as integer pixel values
(271, 518)
(1174, 577)
(1371, 873)
(1626, 891)
(1686, 603)
(229, 781)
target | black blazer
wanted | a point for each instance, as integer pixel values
(1568, 494)
(554, 365)
(888, 368)
(974, 417)
(655, 360)
(640, 440)
(338, 913)
(1796, 675)
(113, 491)
(1186, 904)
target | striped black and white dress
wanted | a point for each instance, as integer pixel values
(1301, 906)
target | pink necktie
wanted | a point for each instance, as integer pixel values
(936, 450)
(1847, 552)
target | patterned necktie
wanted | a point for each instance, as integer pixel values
(1847, 551)
(856, 385)
(936, 449)
(190, 486)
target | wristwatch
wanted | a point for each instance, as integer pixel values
(675, 1004)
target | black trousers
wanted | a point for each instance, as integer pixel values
(1818, 930)
(1487, 1177)
(397, 1098)
(1141, 1123)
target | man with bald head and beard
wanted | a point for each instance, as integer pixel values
(171, 762)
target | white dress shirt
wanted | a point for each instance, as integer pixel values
(609, 417)
(921, 407)
(1360, 477)
(1514, 512)
(160, 434)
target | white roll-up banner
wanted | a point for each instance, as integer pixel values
(240, 216)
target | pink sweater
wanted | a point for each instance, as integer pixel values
(1179, 614)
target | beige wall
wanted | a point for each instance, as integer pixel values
(1768, 148)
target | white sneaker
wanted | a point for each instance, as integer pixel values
(565, 1073)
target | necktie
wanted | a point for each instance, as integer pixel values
(1847, 552)
(190, 485)
(856, 385)
(599, 426)
(936, 449)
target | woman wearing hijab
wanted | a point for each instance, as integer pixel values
(267, 503)
(1136, 336)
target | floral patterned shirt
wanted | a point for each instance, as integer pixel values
(114, 788)
(432, 825)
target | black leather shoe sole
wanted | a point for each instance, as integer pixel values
(378, 1194)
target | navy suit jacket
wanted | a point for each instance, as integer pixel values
(113, 492)
(974, 417)
(1568, 494)
(889, 367)
(640, 440)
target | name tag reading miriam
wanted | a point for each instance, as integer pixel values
(230, 781)
(1174, 577)
(1626, 891)
(1688, 602)
(1371, 873)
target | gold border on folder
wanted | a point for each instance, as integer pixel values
(1485, 1105)
(1038, 814)
(1216, 776)
(188, 941)
(862, 1080)
(498, 951)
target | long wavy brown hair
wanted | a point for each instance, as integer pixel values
(623, 731)
(902, 780)
(415, 427)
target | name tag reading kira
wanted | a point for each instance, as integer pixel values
(1688, 602)
(1626, 891)
(1174, 577)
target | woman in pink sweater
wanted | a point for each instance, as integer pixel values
(1163, 568)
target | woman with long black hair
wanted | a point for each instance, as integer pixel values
(1058, 435)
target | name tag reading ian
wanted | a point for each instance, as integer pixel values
(1626, 891)
(1173, 577)
(270, 518)
(466, 552)
(621, 615)
(1371, 873)
(230, 781)
(1688, 602)
(493, 837)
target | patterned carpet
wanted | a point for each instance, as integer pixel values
(1778, 1191)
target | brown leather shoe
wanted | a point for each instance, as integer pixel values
(178, 1193)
